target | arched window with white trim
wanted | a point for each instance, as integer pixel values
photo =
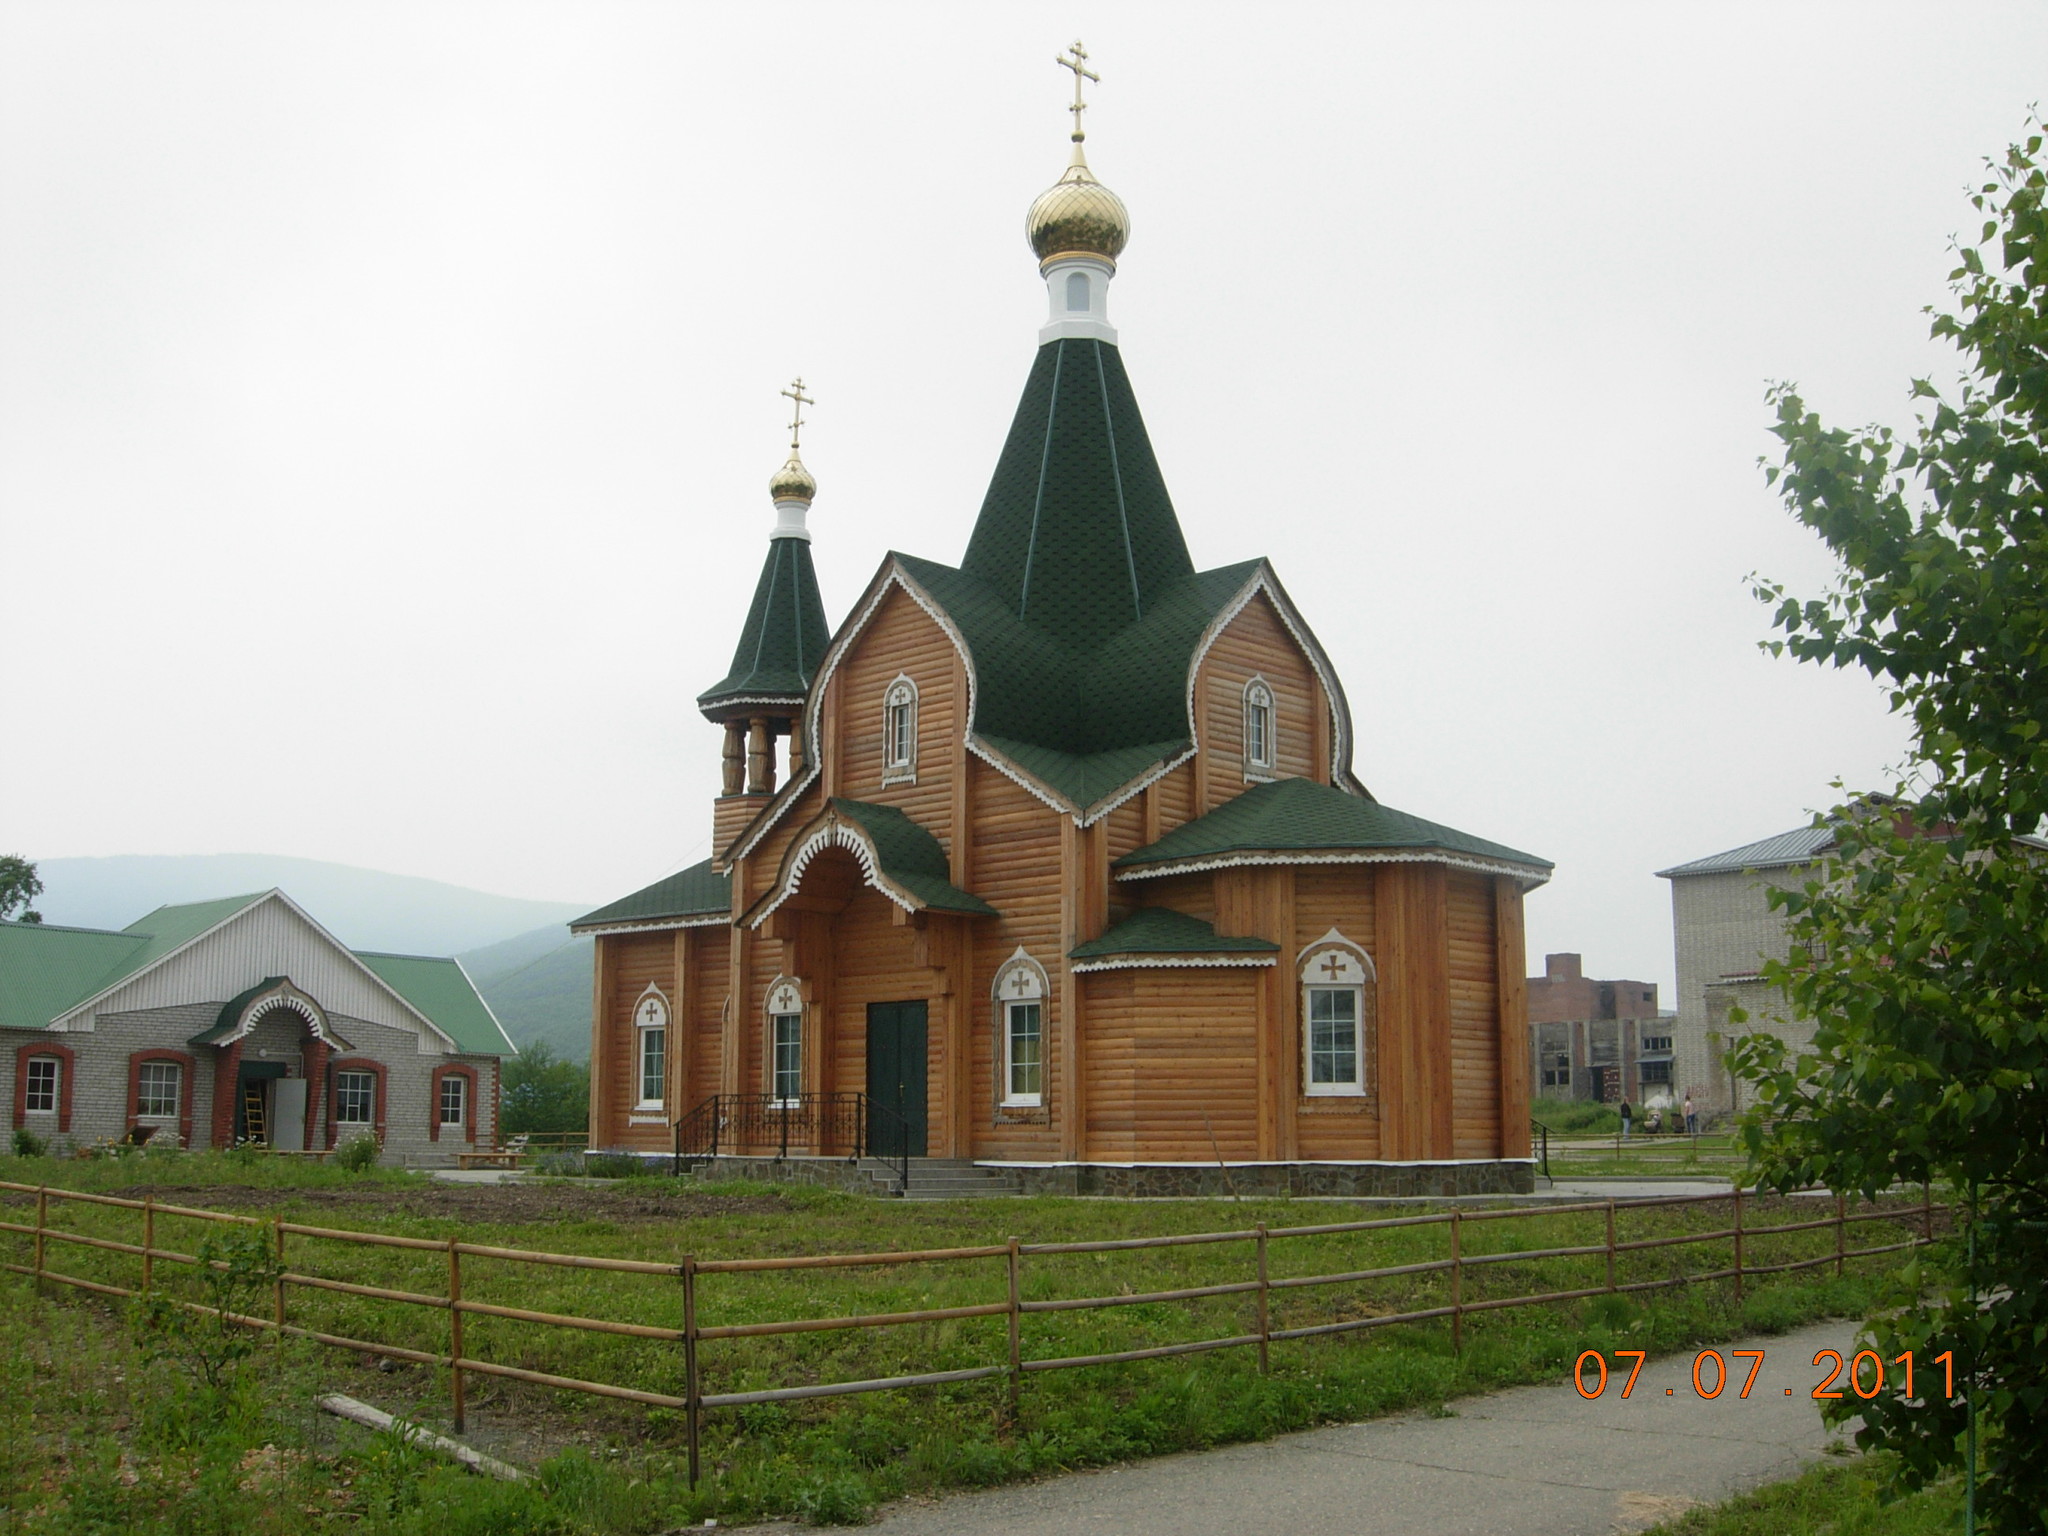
(1020, 992)
(650, 1030)
(786, 1041)
(899, 732)
(1339, 989)
(1260, 753)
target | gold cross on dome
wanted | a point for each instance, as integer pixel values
(1076, 59)
(796, 424)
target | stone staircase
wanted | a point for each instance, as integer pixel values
(941, 1178)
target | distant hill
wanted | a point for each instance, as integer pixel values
(538, 984)
(535, 976)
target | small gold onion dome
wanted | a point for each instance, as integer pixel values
(792, 482)
(1077, 216)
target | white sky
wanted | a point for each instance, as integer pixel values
(388, 392)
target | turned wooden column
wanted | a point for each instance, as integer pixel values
(735, 762)
(760, 756)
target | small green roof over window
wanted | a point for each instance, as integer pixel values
(784, 637)
(1292, 820)
(699, 891)
(1163, 931)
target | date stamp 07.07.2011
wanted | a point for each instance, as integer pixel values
(1863, 1373)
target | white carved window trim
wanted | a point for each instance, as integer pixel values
(785, 1005)
(651, 1017)
(899, 731)
(33, 1091)
(1333, 969)
(1261, 724)
(1020, 985)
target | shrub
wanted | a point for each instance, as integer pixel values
(840, 1500)
(611, 1165)
(359, 1154)
(28, 1144)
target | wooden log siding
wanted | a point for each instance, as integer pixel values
(1255, 643)
(1414, 1011)
(1509, 970)
(1339, 897)
(1194, 1045)
(1475, 1016)
(1017, 870)
(636, 959)
(903, 640)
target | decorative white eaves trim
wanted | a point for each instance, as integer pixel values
(760, 698)
(833, 834)
(1174, 963)
(1530, 878)
(660, 925)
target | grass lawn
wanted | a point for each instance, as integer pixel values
(834, 1458)
(1836, 1498)
(1712, 1154)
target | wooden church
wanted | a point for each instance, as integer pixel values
(1054, 862)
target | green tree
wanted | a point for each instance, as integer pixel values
(19, 887)
(544, 1093)
(1920, 948)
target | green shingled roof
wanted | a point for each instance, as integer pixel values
(699, 891)
(784, 637)
(1299, 816)
(1163, 931)
(911, 857)
(46, 969)
(441, 989)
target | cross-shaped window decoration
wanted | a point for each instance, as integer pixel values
(1333, 967)
(1020, 981)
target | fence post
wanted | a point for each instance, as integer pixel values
(1926, 1211)
(692, 1408)
(1841, 1231)
(1610, 1245)
(1265, 1315)
(1016, 1329)
(1457, 1285)
(148, 1241)
(277, 1288)
(42, 1221)
(455, 1333)
(1738, 1242)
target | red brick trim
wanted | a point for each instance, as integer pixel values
(441, 1075)
(186, 1067)
(316, 1086)
(227, 1067)
(67, 1070)
(335, 1068)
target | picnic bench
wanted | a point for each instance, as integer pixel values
(494, 1157)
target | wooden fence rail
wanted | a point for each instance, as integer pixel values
(1014, 1308)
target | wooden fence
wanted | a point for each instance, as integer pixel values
(1260, 1285)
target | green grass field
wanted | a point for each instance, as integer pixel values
(1842, 1498)
(833, 1458)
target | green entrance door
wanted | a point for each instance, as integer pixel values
(896, 1079)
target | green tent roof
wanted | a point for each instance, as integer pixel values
(699, 891)
(911, 857)
(441, 989)
(784, 637)
(1163, 931)
(1299, 816)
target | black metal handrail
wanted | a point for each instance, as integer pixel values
(1542, 1134)
(829, 1124)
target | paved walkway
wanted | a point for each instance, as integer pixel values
(1533, 1461)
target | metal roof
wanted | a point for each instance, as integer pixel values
(1802, 845)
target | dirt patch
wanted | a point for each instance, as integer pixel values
(502, 1203)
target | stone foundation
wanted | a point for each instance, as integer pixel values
(1381, 1180)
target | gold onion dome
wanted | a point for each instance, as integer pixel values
(1077, 216)
(793, 482)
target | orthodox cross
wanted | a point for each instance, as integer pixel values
(796, 424)
(1077, 60)
(651, 1014)
(1333, 967)
(1020, 982)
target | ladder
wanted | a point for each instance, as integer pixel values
(253, 1128)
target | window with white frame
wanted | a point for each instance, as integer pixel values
(454, 1099)
(156, 1092)
(40, 1095)
(650, 1024)
(1259, 753)
(786, 1040)
(899, 732)
(1020, 991)
(355, 1098)
(1337, 986)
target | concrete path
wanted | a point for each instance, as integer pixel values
(1533, 1461)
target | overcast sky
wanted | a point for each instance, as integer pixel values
(388, 392)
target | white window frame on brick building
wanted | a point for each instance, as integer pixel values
(454, 1108)
(1020, 991)
(355, 1098)
(1338, 987)
(899, 731)
(159, 1090)
(44, 1090)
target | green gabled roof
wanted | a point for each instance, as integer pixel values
(46, 969)
(441, 989)
(1163, 931)
(785, 635)
(1301, 817)
(699, 891)
(1077, 535)
(911, 857)
(168, 928)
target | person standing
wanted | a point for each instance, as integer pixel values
(1692, 1120)
(1625, 1113)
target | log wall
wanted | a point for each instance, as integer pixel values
(1256, 643)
